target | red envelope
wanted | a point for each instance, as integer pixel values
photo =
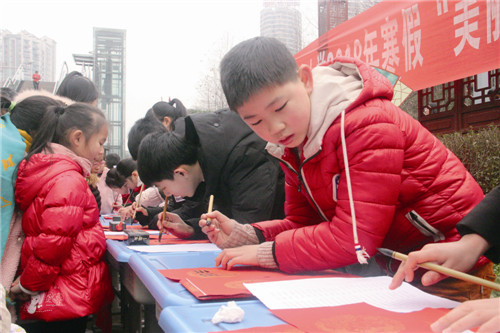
(215, 283)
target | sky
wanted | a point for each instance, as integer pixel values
(170, 44)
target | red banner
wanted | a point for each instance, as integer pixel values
(424, 43)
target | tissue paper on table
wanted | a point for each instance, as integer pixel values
(231, 313)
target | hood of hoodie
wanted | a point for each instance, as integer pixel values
(339, 86)
(41, 168)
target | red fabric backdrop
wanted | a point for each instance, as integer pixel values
(425, 43)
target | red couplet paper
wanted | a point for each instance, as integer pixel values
(359, 317)
(285, 328)
(171, 239)
(215, 283)
(153, 239)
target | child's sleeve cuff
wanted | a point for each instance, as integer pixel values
(242, 234)
(265, 255)
(26, 291)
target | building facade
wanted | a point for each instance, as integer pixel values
(331, 13)
(33, 53)
(282, 20)
(109, 77)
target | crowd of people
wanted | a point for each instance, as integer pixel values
(310, 168)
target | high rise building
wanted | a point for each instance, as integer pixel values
(282, 20)
(331, 13)
(109, 77)
(33, 53)
(356, 7)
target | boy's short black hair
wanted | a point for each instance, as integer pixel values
(161, 153)
(254, 64)
(141, 128)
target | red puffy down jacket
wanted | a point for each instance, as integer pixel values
(399, 172)
(62, 256)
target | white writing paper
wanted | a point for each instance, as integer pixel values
(319, 292)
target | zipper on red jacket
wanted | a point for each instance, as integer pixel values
(302, 182)
(286, 163)
(306, 187)
(299, 173)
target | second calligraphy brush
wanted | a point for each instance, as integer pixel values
(162, 219)
(443, 270)
(138, 202)
(210, 207)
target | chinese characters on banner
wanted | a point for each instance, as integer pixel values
(424, 43)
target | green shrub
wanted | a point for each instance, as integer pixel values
(479, 151)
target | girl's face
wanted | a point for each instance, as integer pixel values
(98, 167)
(121, 190)
(90, 148)
(131, 182)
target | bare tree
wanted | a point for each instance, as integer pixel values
(356, 7)
(210, 94)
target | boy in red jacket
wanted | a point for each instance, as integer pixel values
(360, 173)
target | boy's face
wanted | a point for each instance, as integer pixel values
(281, 114)
(184, 183)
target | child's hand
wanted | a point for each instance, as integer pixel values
(126, 212)
(243, 255)
(460, 255)
(482, 312)
(175, 225)
(16, 293)
(219, 229)
(142, 210)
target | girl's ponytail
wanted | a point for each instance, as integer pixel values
(117, 176)
(180, 109)
(173, 109)
(114, 179)
(47, 130)
(28, 113)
